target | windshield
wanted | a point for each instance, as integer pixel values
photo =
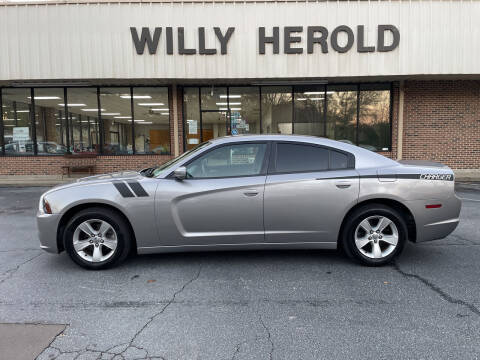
(172, 162)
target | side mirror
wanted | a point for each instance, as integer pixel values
(180, 173)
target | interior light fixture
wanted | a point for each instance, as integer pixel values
(146, 122)
(223, 109)
(110, 114)
(236, 109)
(20, 111)
(313, 92)
(159, 109)
(302, 99)
(8, 125)
(224, 103)
(72, 105)
(165, 113)
(45, 97)
(122, 117)
(317, 98)
(230, 96)
(92, 109)
(137, 120)
(136, 96)
(151, 104)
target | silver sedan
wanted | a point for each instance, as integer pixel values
(253, 192)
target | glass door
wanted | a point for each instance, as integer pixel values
(215, 124)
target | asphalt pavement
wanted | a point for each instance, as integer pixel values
(243, 305)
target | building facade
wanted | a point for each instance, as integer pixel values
(127, 85)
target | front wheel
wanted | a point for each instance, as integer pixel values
(97, 238)
(374, 234)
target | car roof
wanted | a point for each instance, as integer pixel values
(363, 158)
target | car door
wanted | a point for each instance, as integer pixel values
(308, 190)
(220, 201)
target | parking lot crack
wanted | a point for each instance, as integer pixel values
(9, 273)
(269, 336)
(130, 345)
(438, 290)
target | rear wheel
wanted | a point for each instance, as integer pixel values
(374, 234)
(97, 238)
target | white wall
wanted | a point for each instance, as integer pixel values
(78, 41)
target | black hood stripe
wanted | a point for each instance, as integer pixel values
(137, 189)
(123, 189)
(444, 177)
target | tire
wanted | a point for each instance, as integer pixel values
(97, 238)
(363, 240)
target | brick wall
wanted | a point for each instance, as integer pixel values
(441, 122)
(52, 165)
(180, 118)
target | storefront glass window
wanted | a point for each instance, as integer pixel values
(277, 109)
(309, 110)
(244, 105)
(214, 112)
(49, 111)
(214, 98)
(117, 133)
(152, 120)
(374, 124)
(18, 134)
(192, 117)
(83, 124)
(342, 113)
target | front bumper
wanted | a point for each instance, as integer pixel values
(47, 225)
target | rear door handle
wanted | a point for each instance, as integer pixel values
(250, 192)
(343, 184)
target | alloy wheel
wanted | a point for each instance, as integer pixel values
(95, 240)
(376, 236)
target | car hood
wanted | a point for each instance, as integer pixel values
(123, 175)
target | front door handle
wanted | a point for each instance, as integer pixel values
(343, 184)
(250, 192)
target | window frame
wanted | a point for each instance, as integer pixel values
(263, 169)
(272, 169)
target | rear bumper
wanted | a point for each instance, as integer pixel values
(436, 223)
(437, 230)
(47, 225)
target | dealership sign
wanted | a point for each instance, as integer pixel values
(318, 38)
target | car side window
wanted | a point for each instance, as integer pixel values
(301, 158)
(338, 160)
(229, 161)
